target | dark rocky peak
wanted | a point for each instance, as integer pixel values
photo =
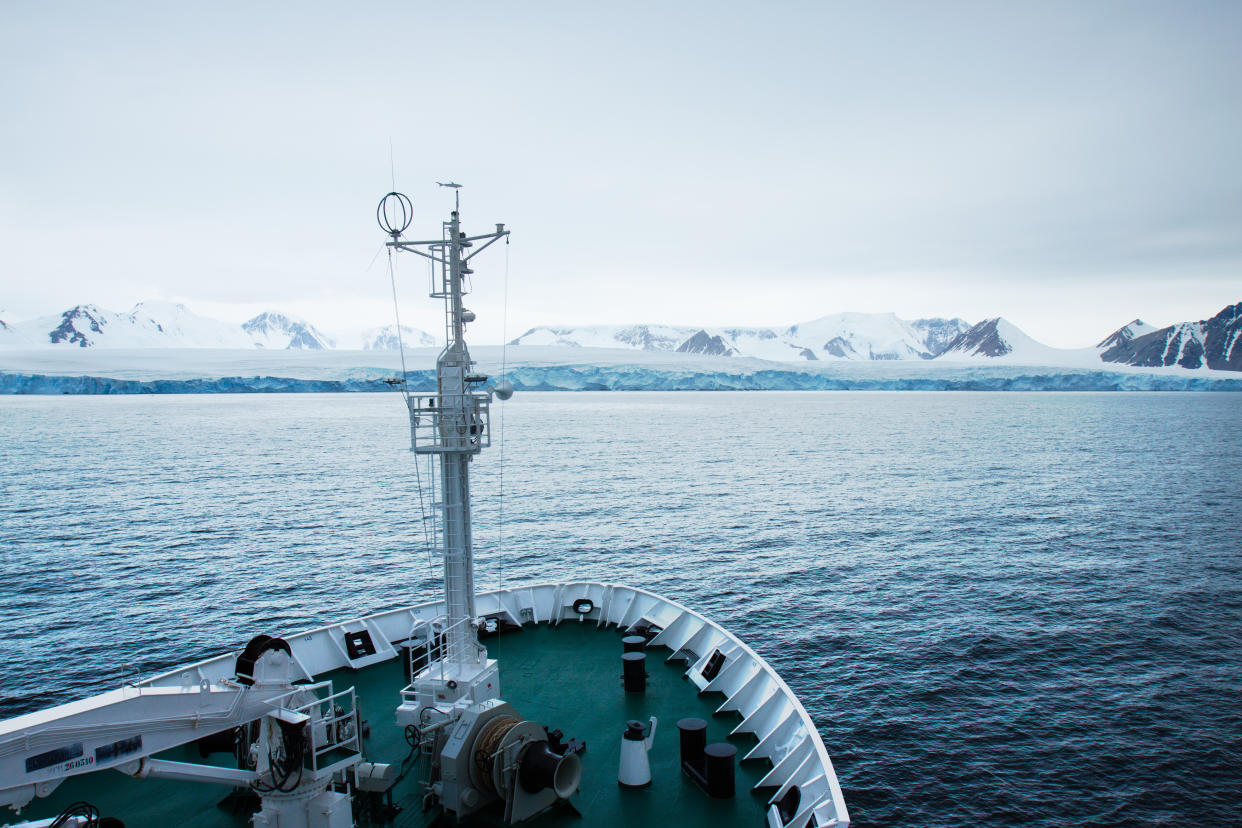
(1213, 343)
(984, 339)
(839, 347)
(704, 343)
(76, 326)
(1126, 333)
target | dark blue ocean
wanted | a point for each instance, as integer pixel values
(1000, 608)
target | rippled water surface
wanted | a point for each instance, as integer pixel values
(999, 608)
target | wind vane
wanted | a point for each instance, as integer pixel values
(456, 188)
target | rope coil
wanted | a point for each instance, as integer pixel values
(487, 745)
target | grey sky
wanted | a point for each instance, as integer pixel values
(1066, 165)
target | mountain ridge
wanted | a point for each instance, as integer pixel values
(173, 325)
(284, 331)
(865, 336)
(1214, 343)
(1124, 334)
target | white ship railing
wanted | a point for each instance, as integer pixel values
(434, 636)
(787, 736)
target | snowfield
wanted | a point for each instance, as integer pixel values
(842, 336)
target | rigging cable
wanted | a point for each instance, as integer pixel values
(396, 310)
(405, 394)
(504, 320)
(430, 528)
(422, 509)
(405, 390)
(504, 364)
(378, 251)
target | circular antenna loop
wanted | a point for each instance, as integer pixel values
(394, 214)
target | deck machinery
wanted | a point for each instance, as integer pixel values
(295, 740)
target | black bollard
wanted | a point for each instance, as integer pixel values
(693, 734)
(634, 643)
(634, 672)
(719, 769)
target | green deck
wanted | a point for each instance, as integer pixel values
(566, 677)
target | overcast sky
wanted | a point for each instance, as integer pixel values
(1068, 166)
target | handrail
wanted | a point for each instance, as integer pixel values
(324, 719)
(441, 423)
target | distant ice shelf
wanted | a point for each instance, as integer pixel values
(531, 368)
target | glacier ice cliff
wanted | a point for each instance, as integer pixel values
(641, 378)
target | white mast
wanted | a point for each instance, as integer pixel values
(458, 417)
(452, 425)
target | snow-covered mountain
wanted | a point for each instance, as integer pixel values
(84, 326)
(170, 325)
(11, 337)
(637, 337)
(276, 330)
(1000, 340)
(174, 325)
(936, 333)
(990, 338)
(148, 325)
(874, 336)
(1214, 343)
(852, 336)
(386, 339)
(1124, 334)
(704, 343)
